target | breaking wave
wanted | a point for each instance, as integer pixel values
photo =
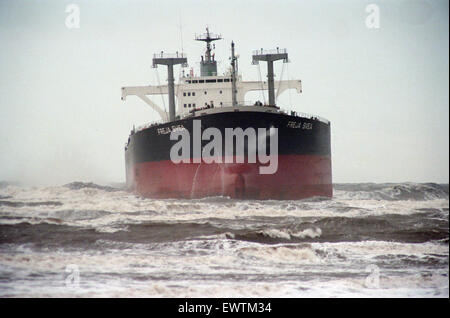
(221, 246)
(393, 191)
(89, 185)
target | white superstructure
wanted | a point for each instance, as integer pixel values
(208, 90)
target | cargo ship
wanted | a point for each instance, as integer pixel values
(214, 142)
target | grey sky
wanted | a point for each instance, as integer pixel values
(385, 90)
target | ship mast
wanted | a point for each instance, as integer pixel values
(208, 65)
(270, 56)
(233, 76)
(170, 60)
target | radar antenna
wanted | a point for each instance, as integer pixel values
(208, 65)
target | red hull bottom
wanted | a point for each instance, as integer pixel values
(297, 177)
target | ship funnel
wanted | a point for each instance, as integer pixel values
(270, 56)
(170, 60)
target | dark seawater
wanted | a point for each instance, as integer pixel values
(89, 240)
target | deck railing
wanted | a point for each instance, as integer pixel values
(163, 55)
(273, 51)
(240, 104)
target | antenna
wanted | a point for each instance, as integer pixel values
(208, 65)
(181, 31)
(233, 76)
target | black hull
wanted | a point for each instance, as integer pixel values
(154, 144)
(303, 160)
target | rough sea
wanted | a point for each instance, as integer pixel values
(89, 240)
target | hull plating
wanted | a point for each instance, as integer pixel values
(304, 162)
(297, 177)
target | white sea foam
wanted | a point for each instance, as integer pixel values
(312, 233)
(234, 262)
(123, 203)
(238, 259)
(284, 254)
(274, 233)
(287, 234)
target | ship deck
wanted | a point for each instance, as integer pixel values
(199, 112)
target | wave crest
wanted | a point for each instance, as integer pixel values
(77, 185)
(394, 191)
